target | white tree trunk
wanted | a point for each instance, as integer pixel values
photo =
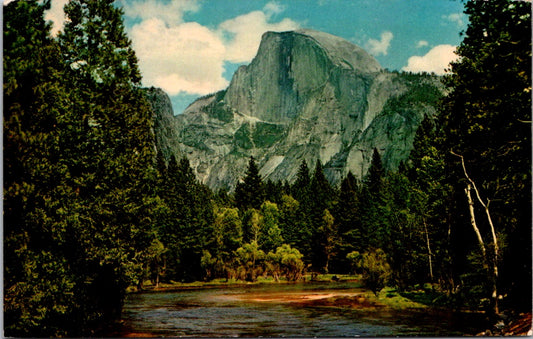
(494, 265)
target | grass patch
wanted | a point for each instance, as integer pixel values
(353, 280)
(394, 299)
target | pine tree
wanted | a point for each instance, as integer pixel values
(321, 196)
(487, 123)
(430, 194)
(111, 159)
(250, 192)
(38, 280)
(371, 195)
(347, 218)
(189, 224)
(300, 188)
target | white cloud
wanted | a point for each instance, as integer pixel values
(171, 12)
(185, 58)
(273, 8)
(422, 43)
(56, 15)
(377, 47)
(436, 60)
(246, 31)
(456, 18)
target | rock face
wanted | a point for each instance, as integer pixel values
(307, 95)
(165, 124)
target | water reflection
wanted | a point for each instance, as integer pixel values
(274, 310)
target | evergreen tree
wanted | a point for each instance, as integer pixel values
(187, 230)
(374, 176)
(487, 122)
(250, 192)
(321, 196)
(371, 195)
(300, 188)
(38, 280)
(347, 218)
(402, 232)
(112, 162)
(430, 193)
(273, 191)
(87, 142)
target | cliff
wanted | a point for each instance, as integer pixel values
(306, 95)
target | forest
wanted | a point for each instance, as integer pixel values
(92, 208)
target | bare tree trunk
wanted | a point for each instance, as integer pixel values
(474, 223)
(494, 265)
(430, 254)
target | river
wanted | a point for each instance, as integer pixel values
(284, 310)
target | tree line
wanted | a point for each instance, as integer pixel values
(91, 207)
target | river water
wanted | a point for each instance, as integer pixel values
(291, 310)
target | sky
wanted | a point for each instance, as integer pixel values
(191, 48)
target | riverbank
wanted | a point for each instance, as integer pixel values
(221, 282)
(341, 293)
(388, 297)
(323, 307)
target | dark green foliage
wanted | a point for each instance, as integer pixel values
(300, 188)
(89, 209)
(405, 241)
(77, 191)
(371, 193)
(273, 191)
(188, 224)
(217, 108)
(321, 196)
(348, 220)
(243, 137)
(266, 134)
(486, 118)
(250, 192)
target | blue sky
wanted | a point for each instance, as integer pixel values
(191, 48)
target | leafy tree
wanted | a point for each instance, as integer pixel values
(209, 264)
(374, 267)
(286, 261)
(252, 221)
(155, 262)
(289, 220)
(270, 233)
(250, 258)
(228, 237)
(329, 238)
